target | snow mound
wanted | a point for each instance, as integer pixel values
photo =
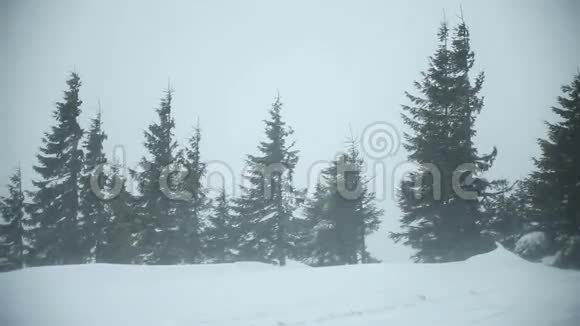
(295, 264)
(532, 244)
(497, 288)
(500, 256)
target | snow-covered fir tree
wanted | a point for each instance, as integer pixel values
(54, 209)
(437, 221)
(190, 210)
(123, 226)
(94, 217)
(154, 209)
(223, 232)
(341, 213)
(506, 212)
(12, 236)
(555, 184)
(268, 199)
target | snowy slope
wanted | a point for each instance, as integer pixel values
(497, 288)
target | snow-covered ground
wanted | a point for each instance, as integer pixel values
(497, 288)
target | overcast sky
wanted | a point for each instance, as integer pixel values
(336, 64)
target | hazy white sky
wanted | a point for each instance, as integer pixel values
(336, 63)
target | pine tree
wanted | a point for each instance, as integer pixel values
(55, 203)
(438, 221)
(94, 215)
(123, 226)
(267, 203)
(155, 211)
(318, 245)
(12, 247)
(366, 214)
(555, 185)
(190, 211)
(222, 235)
(506, 213)
(342, 213)
(200, 202)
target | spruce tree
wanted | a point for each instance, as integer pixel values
(506, 212)
(318, 245)
(342, 212)
(199, 201)
(123, 228)
(555, 185)
(222, 234)
(186, 240)
(55, 202)
(155, 213)
(366, 214)
(442, 219)
(268, 201)
(93, 211)
(12, 247)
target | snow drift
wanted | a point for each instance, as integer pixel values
(497, 288)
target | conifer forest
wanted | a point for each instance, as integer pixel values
(228, 161)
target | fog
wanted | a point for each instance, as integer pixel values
(338, 66)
